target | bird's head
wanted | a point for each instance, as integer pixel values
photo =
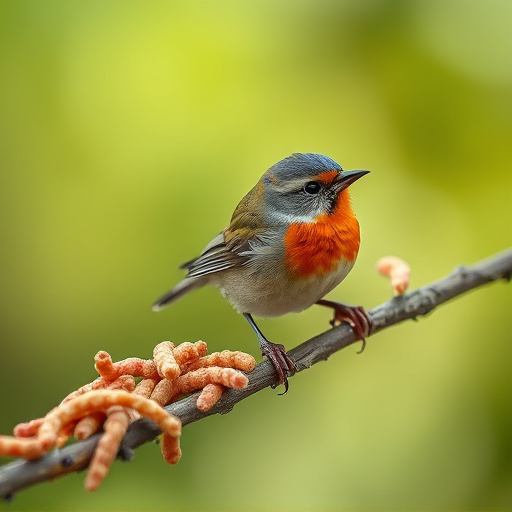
(303, 187)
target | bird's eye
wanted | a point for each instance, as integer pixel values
(312, 187)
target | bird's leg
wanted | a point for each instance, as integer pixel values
(356, 316)
(275, 353)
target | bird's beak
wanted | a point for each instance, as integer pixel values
(346, 178)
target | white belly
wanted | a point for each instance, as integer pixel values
(265, 294)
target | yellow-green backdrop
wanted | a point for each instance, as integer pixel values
(129, 130)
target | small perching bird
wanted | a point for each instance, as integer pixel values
(291, 240)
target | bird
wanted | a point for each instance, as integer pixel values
(291, 240)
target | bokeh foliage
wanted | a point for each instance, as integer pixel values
(128, 132)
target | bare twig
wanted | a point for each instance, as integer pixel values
(20, 474)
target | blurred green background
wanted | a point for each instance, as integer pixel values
(129, 130)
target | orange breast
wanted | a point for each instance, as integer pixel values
(316, 248)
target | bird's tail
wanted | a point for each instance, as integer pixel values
(185, 286)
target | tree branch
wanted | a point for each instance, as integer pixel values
(20, 474)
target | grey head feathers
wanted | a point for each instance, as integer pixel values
(287, 200)
(300, 166)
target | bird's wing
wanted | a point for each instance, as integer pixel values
(233, 247)
(229, 249)
(215, 257)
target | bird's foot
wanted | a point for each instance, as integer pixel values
(276, 354)
(356, 316)
(281, 361)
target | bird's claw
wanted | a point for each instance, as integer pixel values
(356, 316)
(280, 360)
